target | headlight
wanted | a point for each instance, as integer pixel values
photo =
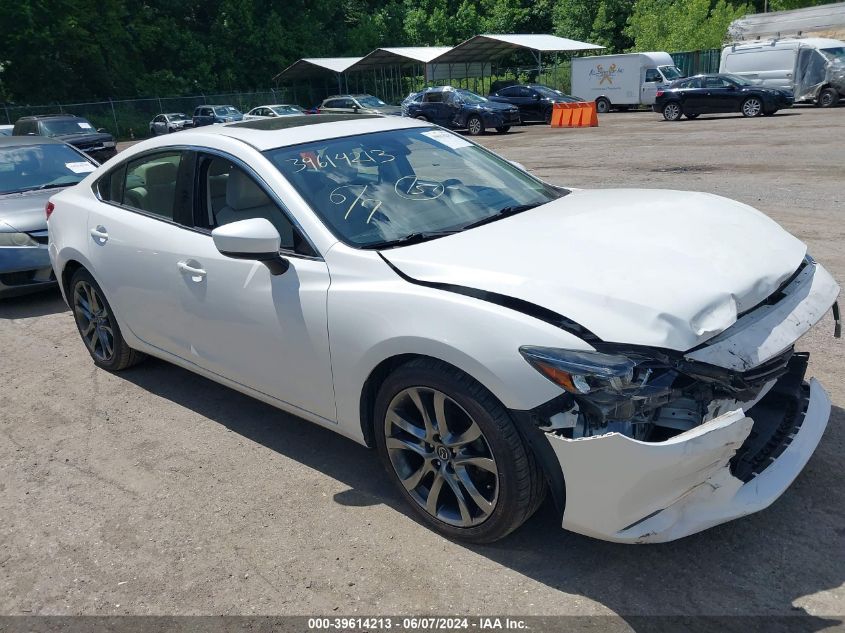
(582, 372)
(16, 239)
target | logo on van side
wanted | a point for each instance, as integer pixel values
(606, 75)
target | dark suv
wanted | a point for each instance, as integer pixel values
(211, 114)
(535, 101)
(79, 132)
(461, 109)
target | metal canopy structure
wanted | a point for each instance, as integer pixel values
(309, 66)
(483, 48)
(399, 55)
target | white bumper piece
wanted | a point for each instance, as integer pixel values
(624, 490)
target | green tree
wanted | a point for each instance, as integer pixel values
(679, 25)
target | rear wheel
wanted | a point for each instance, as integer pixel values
(602, 105)
(454, 454)
(672, 111)
(752, 107)
(475, 126)
(503, 129)
(97, 325)
(828, 98)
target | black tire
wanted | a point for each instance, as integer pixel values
(828, 98)
(602, 105)
(122, 356)
(672, 111)
(547, 117)
(503, 129)
(520, 485)
(475, 126)
(693, 115)
(752, 107)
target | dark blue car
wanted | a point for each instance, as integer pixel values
(460, 109)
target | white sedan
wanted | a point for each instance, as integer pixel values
(495, 337)
(273, 111)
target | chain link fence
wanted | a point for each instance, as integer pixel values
(130, 118)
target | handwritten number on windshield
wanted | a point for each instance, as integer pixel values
(310, 160)
(361, 200)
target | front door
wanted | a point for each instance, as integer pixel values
(268, 332)
(648, 88)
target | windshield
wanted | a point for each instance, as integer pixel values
(282, 110)
(28, 167)
(368, 101)
(60, 127)
(834, 54)
(470, 97)
(671, 73)
(177, 116)
(226, 110)
(374, 190)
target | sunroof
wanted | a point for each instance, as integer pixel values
(285, 122)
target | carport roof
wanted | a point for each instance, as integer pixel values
(482, 48)
(399, 55)
(308, 66)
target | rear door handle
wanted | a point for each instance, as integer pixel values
(187, 269)
(100, 234)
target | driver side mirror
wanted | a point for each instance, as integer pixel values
(256, 239)
(536, 97)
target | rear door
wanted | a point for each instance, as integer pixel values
(136, 232)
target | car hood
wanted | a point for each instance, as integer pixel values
(668, 269)
(24, 212)
(84, 139)
(493, 105)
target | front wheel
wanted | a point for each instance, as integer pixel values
(97, 325)
(828, 98)
(475, 126)
(672, 111)
(503, 129)
(454, 454)
(752, 107)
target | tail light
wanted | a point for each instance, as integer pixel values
(659, 93)
(49, 208)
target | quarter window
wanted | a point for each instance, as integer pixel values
(150, 184)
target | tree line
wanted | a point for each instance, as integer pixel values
(68, 50)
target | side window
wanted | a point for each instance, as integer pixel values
(508, 92)
(522, 91)
(715, 82)
(433, 97)
(110, 186)
(229, 194)
(151, 184)
(331, 103)
(652, 75)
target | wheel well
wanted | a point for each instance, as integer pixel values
(70, 268)
(370, 390)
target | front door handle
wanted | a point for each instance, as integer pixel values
(187, 269)
(100, 234)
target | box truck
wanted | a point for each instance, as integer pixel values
(813, 68)
(622, 81)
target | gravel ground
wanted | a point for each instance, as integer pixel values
(158, 492)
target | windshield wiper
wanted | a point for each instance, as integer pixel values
(501, 213)
(412, 238)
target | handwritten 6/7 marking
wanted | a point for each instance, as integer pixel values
(361, 200)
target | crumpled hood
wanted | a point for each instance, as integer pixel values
(24, 212)
(662, 268)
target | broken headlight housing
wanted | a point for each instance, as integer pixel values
(584, 373)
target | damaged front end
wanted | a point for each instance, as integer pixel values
(655, 445)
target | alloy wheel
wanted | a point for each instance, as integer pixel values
(752, 107)
(94, 321)
(441, 457)
(474, 126)
(672, 112)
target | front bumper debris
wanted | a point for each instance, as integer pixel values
(630, 491)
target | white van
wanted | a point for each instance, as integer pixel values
(812, 68)
(622, 81)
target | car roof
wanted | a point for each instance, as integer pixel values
(17, 141)
(264, 134)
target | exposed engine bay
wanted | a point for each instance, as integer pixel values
(666, 396)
